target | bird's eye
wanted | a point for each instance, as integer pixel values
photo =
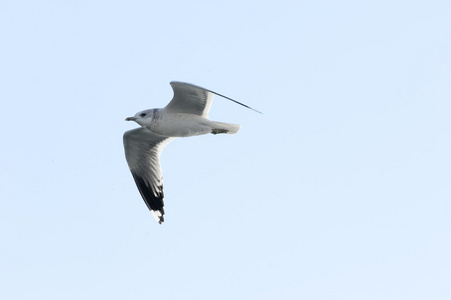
(143, 115)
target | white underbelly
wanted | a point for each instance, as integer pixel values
(181, 125)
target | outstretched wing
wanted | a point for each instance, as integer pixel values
(142, 151)
(189, 98)
(193, 99)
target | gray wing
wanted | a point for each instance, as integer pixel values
(142, 151)
(189, 98)
(193, 99)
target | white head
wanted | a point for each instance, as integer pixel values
(143, 118)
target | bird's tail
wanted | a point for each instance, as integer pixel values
(219, 127)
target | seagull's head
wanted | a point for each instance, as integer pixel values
(143, 118)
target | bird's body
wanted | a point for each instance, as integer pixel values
(186, 115)
(170, 124)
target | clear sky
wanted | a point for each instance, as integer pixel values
(340, 190)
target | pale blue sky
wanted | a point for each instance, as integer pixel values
(340, 190)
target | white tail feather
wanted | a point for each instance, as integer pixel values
(229, 128)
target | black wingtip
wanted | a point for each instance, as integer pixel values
(153, 200)
(247, 106)
(181, 82)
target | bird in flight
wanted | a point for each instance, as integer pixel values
(186, 115)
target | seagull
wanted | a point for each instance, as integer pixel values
(185, 115)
